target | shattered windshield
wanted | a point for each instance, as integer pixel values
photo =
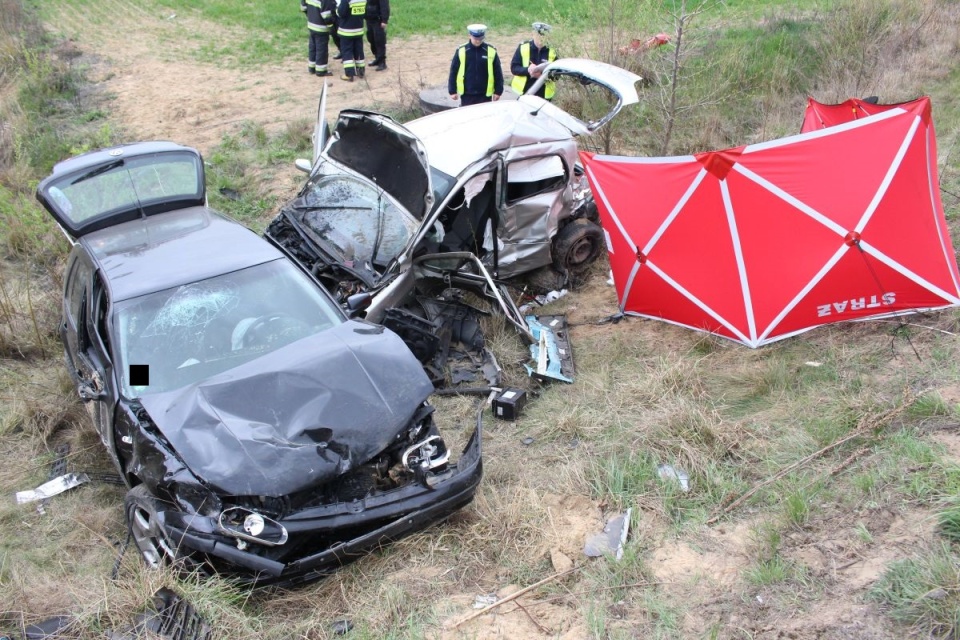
(193, 332)
(358, 220)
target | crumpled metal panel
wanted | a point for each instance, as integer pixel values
(296, 417)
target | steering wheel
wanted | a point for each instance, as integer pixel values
(274, 329)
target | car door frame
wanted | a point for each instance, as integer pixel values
(88, 362)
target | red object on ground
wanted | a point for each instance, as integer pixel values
(763, 242)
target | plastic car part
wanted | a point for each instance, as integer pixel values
(551, 351)
(431, 453)
(174, 618)
(52, 488)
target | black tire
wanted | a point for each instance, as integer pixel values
(577, 245)
(156, 548)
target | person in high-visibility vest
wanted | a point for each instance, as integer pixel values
(350, 29)
(320, 16)
(529, 55)
(475, 72)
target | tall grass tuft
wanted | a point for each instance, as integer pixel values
(922, 591)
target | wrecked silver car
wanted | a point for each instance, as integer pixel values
(462, 198)
(262, 434)
(498, 181)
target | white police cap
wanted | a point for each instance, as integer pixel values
(477, 30)
(541, 27)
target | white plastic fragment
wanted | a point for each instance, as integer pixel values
(813, 363)
(484, 600)
(52, 488)
(611, 540)
(669, 472)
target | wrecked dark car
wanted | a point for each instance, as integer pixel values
(262, 433)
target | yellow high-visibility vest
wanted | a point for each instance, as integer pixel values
(462, 72)
(520, 81)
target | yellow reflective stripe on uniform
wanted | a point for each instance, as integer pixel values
(350, 33)
(519, 81)
(319, 28)
(462, 71)
(491, 54)
(551, 86)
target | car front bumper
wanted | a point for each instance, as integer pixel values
(378, 519)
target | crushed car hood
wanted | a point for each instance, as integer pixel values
(297, 417)
(385, 153)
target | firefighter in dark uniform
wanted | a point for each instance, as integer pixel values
(528, 56)
(378, 15)
(475, 73)
(320, 17)
(350, 29)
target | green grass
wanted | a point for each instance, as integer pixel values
(922, 591)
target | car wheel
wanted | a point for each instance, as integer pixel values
(577, 245)
(143, 522)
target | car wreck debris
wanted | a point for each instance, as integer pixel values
(374, 228)
(669, 472)
(551, 351)
(610, 541)
(509, 404)
(52, 487)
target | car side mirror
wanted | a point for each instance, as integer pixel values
(87, 392)
(358, 302)
(303, 164)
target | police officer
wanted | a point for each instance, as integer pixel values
(475, 73)
(320, 16)
(529, 54)
(350, 29)
(378, 15)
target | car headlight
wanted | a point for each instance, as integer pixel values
(251, 526)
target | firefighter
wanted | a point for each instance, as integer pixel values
(350, 29)
(528, 56)
(319, 22)
(378, 14)
(475, 73)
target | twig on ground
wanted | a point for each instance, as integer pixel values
(532, 619)
(921, 326)
(512, 596)
(866, 425)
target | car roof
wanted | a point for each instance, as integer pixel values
(456, 138)
(172, 249)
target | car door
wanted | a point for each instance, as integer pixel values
(97, 359)
(85, 365)
(533, 199)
